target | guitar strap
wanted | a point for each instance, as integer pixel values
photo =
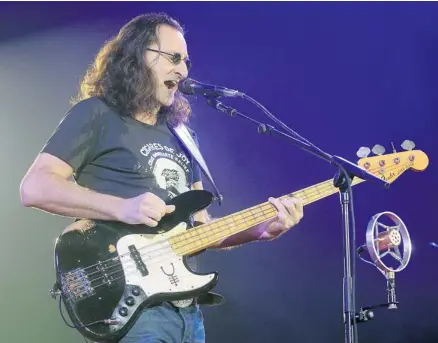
(186, 139)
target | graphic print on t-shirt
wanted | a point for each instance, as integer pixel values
(169, 167)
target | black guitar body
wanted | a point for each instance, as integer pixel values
(107, 277)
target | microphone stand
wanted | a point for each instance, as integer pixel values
(349, 167)
(342, 180)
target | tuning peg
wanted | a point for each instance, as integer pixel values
(363, 152)
(408, 145)
(378, 149)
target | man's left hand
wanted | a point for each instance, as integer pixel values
(289, 214)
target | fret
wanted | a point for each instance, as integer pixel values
(239, 217)
(318, 190)
(228, 229)
(203, 236)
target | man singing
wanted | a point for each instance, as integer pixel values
(113, 156)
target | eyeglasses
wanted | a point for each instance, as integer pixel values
(175, 58)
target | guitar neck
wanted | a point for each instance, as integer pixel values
(201, 237)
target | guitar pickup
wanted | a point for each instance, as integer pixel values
(141, 267)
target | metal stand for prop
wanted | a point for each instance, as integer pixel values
(385, 241)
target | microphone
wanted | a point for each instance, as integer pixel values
(384, 241)
(393, 242)
(192, 87)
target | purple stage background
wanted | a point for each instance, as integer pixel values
(343, 75)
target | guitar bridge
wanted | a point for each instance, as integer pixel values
(76, 285)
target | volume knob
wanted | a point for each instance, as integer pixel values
(130, 301)
(123, 311)
(136, 291)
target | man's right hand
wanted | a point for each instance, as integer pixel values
(145, 209)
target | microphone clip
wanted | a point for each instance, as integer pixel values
(217, 105)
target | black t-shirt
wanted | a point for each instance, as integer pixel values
(121, 156)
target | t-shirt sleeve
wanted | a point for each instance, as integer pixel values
(75, 137)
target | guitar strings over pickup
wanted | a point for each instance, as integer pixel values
(138, 261)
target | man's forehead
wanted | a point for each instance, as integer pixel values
(171, 39)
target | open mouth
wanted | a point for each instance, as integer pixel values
(171, 84)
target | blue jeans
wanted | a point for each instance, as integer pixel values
(168, 324)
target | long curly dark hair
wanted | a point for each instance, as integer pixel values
(120, 76)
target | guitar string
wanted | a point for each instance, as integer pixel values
(128, 265)
(314, 191)
(164, 256)
(166, 239)
(190, 243)
(262, 208)
(215, 230)
(309, 196)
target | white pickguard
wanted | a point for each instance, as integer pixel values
(166, 270)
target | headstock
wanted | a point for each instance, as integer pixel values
(389, 167)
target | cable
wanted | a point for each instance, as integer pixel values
(103, 321)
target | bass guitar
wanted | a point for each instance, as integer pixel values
(107, 272)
